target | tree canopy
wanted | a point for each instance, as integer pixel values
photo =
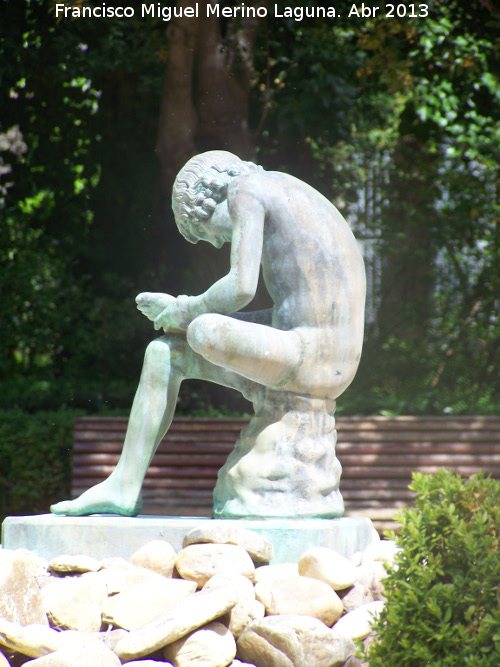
(395, 118)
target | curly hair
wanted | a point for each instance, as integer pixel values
(202, 184)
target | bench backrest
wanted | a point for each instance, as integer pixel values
(378, 456)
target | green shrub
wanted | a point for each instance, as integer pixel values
(443, 596)
(35, 460)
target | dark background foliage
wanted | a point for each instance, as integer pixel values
(396, 120)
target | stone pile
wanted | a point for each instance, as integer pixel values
(215, 603)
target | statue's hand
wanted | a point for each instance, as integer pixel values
(151, 304)
(176, 316)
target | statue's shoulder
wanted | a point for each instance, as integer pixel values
(250, 184)
(260, 184)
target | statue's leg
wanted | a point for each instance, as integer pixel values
(167, 361)
(260, 353)
(307, 361)
(284, 463)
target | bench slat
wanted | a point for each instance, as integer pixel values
(343, 448)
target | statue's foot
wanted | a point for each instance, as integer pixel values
(100, 499)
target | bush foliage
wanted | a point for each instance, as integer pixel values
(35, 460)
(443, 596)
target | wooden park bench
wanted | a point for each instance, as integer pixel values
(378, 456)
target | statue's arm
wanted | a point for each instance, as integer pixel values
(236, 289)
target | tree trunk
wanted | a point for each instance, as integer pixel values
(206, 89)
(205, 106)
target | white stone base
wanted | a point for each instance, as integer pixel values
(103, 536)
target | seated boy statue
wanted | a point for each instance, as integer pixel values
(303, 352)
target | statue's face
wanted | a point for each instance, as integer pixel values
(218, 228)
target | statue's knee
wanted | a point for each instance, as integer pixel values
(203, 332)
(157, 354)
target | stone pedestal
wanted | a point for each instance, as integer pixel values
(283, 464)
(103, 536)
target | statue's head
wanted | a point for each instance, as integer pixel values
(202, 184)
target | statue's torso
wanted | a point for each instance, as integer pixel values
(311, 262)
